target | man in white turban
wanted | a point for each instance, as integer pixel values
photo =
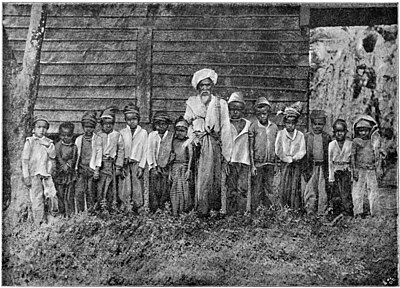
(210, 133)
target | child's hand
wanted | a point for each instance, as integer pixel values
(159, 171)
(187, 175)
(355, 175)
(96, 174)
(118, 171)
(226, 169)
(289, 159)
(139, 173)
(27, 182)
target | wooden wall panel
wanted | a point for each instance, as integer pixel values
(97, 55)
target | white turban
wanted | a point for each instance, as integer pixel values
(204, 74)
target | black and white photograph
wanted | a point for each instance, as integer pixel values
(200, 144)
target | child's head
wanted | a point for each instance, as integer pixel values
(318, 121)
(160, 122)
(181, 128)
(262, 109)
(89, 121)
(290, 123)
(132, 115)
(291, 116)
(66, 132)
(236, 106)
(363, 129)
(107, 120)
(40, 125)
(340, 130)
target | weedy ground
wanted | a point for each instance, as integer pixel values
(271, 247)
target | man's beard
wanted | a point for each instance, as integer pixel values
(205, 96)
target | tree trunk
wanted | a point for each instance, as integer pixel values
(19, 105)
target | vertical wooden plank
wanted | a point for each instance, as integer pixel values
(305, 31)
(144, 76)
(18, 112)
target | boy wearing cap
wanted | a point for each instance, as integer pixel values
(159, 147)
(90, 152)
(262, 134)
(366, 168)
(38, 165)
(180, 169)
(131, 186)
(112, 161)
(316, 168)
(67, 153)
(290, 147)
(238, 167)
(339, 162)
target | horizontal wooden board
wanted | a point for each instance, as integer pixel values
(227, 69)
(160, 22)
(201, 35)
(87, 92)
(236, 58)
(89, 69)
(89, 56)
(180, 105)
(173, 81)
(53, 46)
(86, 80)
(66, 104)
(77, 34)
(272, 94)
(72, 115)
(158, 9)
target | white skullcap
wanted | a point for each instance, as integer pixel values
(204, 74)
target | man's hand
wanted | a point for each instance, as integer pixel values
(139, 173)
(27, 182)
(253, 170)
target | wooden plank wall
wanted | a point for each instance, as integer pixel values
(109, 54)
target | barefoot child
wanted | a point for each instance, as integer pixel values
(290, 147)
(316, 168)
(90, 152)
(262, 136)
(238, 168)
(38, 163)
(180, 169)
(366, 169)
(131, 186)
(339, 160)
(112, 162)
(67, 154)
(159, 147)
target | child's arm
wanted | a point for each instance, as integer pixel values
(252, 136)
(142, 162)
(188, 172)
(331, 176)
(302, 149)
(25, 164)
(120, 155)
(51, 151)
(353, 160)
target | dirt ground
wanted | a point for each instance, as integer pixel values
(272, 247)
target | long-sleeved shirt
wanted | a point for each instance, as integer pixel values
(289, 148)
(66, 155)
(240, 149)
(211, 118)
(38, 156)
(113, 146)
(135, 145)
(96, 153)
(264, 142)
(157, 146)
(338, 158)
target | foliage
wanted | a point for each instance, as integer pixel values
(271, 247)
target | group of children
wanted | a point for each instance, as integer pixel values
(104, 169)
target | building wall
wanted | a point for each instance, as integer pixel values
(99, 55)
